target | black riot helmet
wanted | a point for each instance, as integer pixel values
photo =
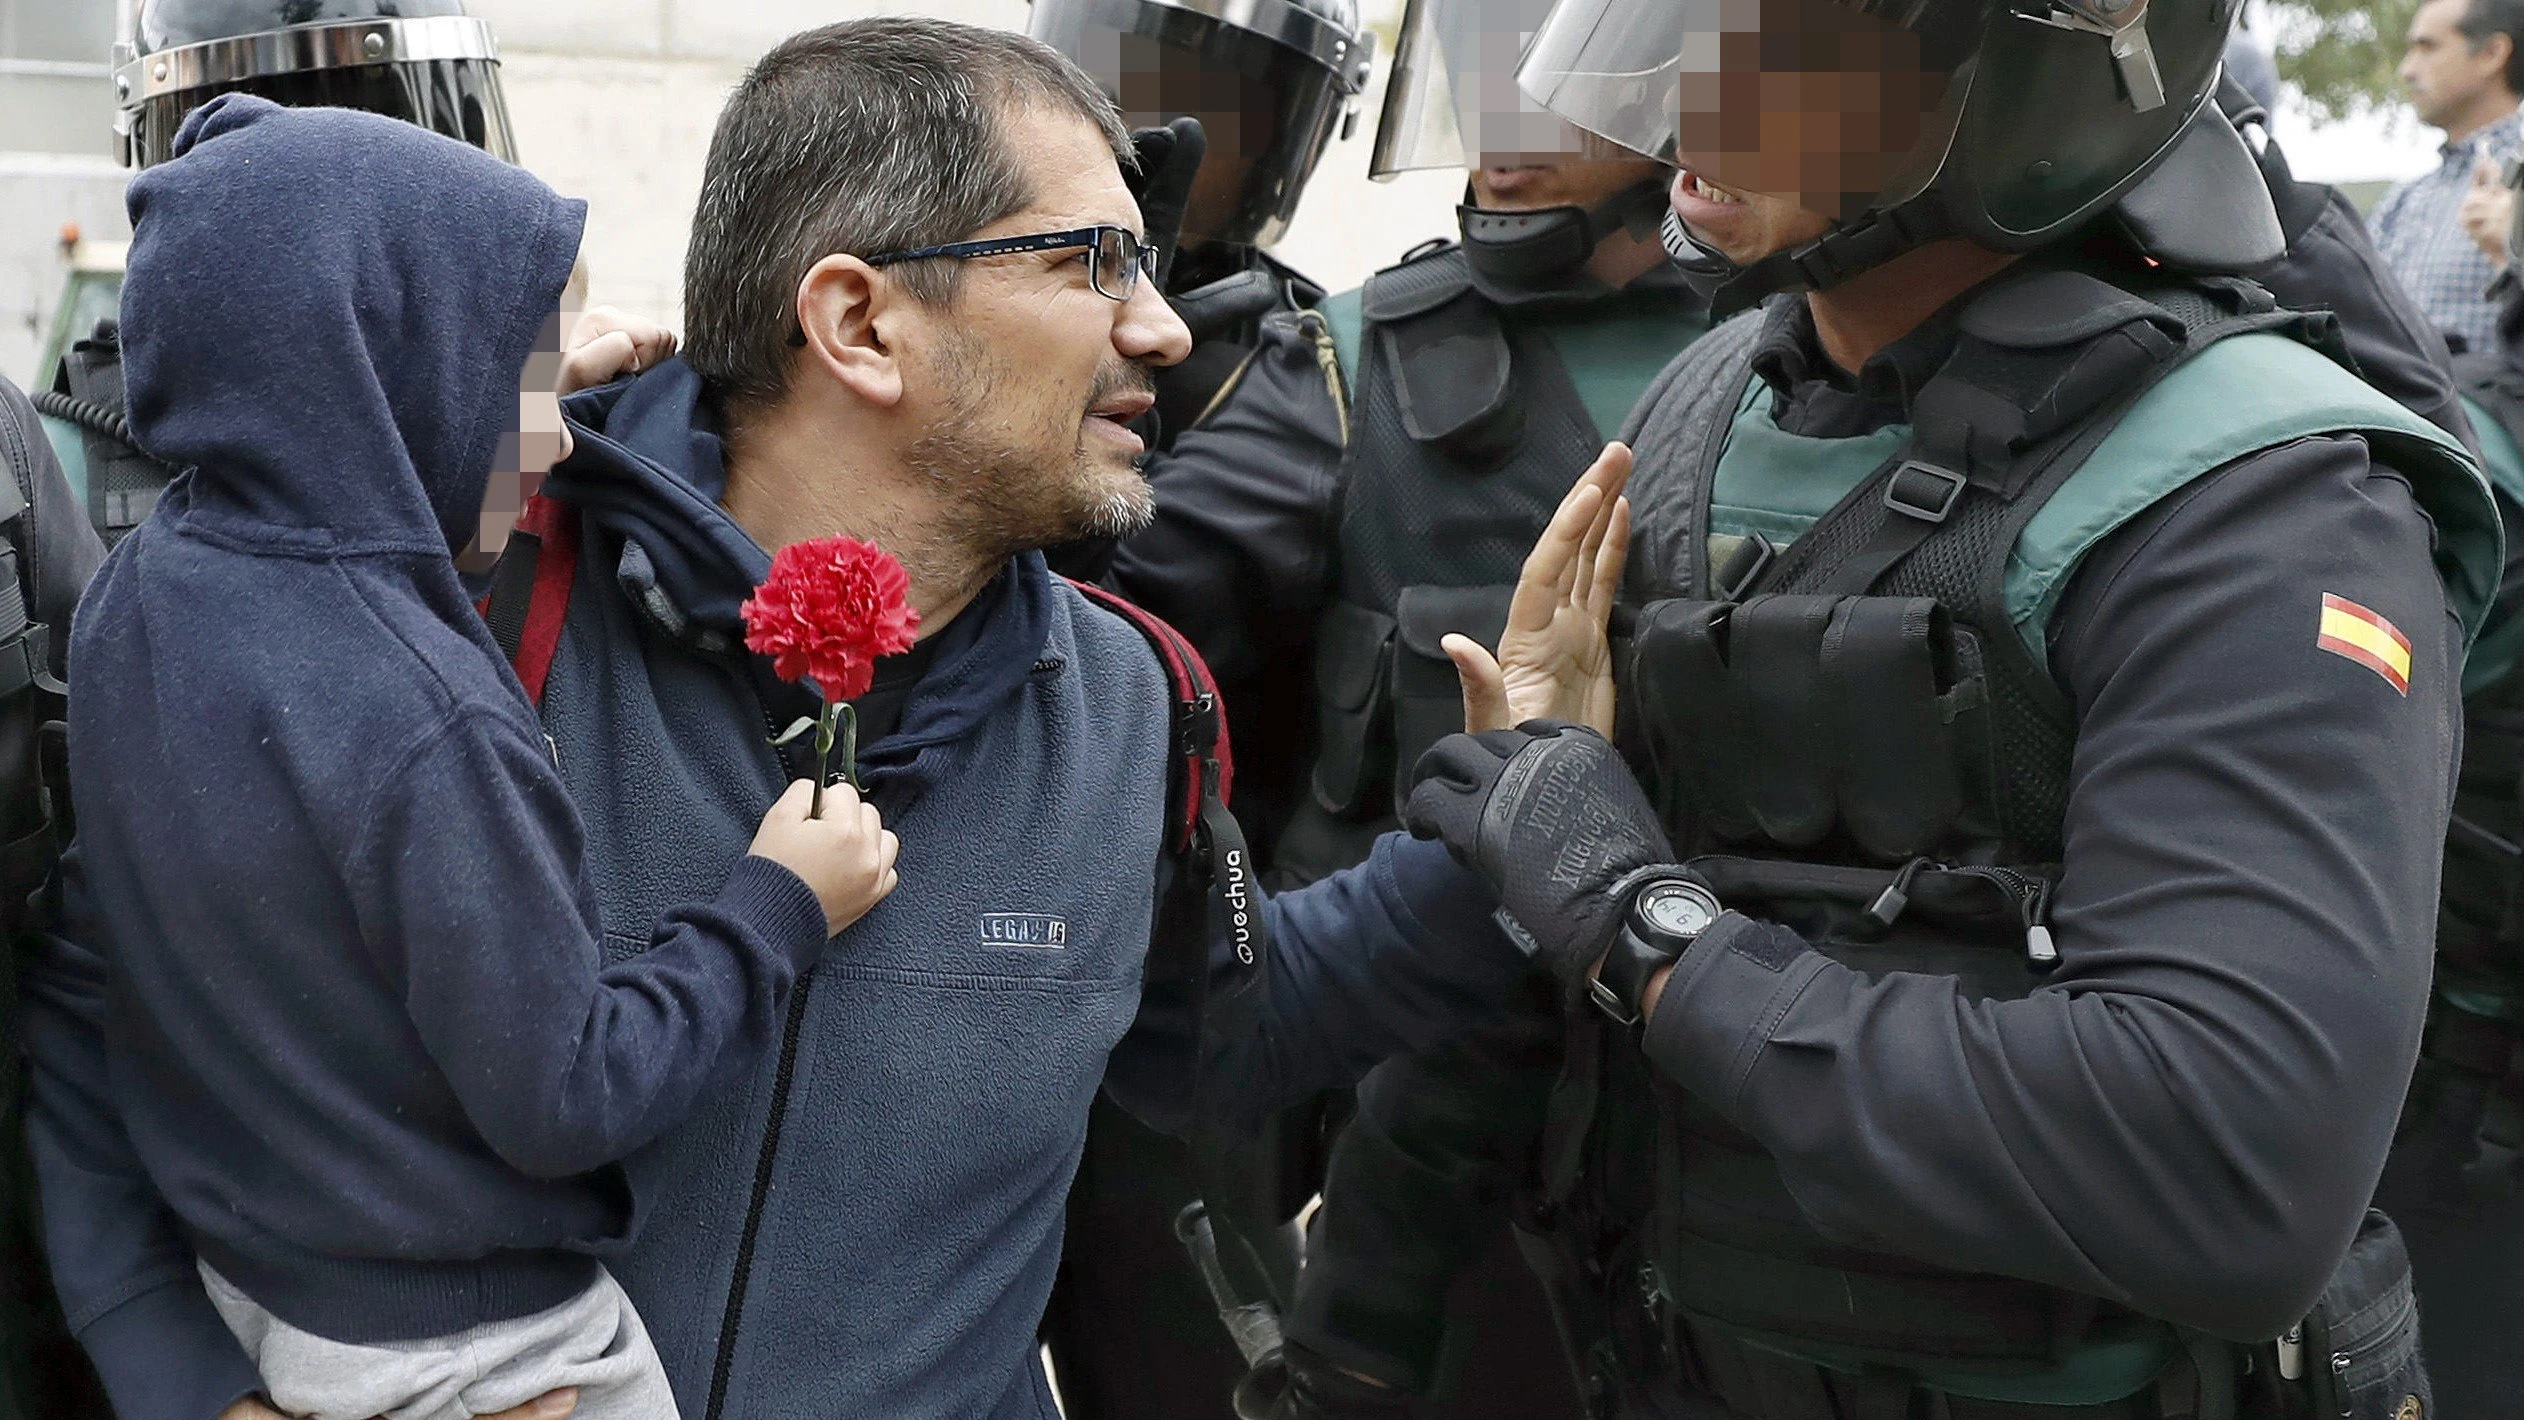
(2011, 123)
(1270, 81)
(424, 61)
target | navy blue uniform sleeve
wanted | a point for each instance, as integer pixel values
(1398, 953)
(1240, 557)
(1420, 1182)
(2190, 1117)
(562, 1061)
(125, 1275)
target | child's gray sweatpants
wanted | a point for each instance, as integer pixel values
(594, 1342)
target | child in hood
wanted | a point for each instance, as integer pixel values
(367, 1031)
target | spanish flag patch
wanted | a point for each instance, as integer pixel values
(2355, 633)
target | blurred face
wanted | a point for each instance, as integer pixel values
(1024, 382)
(1239, 116)
(1505, 184)
(1795, 120)
(537, 438)
(2447, 78)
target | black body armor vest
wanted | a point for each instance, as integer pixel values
(1849, 737)
(123, 483)
(1224, 309)
(1466, 430)
(2480, 915)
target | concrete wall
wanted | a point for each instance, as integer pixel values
(40, 194)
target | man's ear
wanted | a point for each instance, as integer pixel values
(845, 311)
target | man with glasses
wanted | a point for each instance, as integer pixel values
(919, 317)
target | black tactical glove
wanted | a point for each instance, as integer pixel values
(1297, 1384)
(1169, 158)
(1550, 816)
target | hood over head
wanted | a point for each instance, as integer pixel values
(327, 314)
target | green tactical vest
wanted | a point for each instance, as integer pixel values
(1714, 1241)
(1778, 484)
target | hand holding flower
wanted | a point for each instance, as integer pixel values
(829, 609)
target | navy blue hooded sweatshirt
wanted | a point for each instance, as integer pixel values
(362, 1027)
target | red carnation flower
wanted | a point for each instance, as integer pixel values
(830, 607)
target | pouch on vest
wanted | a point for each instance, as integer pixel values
(1350, 684)
(123, 483)
(1452, 370)
(1794, 718)
(1428, 697)
(2357, 1354)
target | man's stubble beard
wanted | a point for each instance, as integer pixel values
(1007, 499)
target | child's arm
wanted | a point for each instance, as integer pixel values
(125, 1275)
(473, 898)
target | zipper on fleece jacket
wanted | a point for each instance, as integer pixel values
(783, 1077)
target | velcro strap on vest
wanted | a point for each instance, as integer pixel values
(1428, 698)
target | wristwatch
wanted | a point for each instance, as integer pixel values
(1666, 916)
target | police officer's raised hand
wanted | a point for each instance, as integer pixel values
(1555, 659)
(1548, 814)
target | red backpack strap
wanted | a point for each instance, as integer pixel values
(1204, 759)
(530, 590)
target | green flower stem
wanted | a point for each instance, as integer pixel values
(847, 716)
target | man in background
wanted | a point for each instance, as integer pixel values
(2463, 70)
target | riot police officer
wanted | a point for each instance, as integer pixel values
(425, 61)
(2453, 1179)
(1232, 107)
(1270, 84)
(1366, 488)
(2044, 681)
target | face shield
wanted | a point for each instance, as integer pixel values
(1839, 106)
(1452, 100)
(1270, 80)
(440, 73)
(2033, 111)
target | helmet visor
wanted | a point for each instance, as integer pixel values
(1452, 100)
(1839, 104)
(457, 97)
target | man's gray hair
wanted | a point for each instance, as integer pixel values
(863, 137)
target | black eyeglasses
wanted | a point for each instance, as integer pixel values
(1120, 256)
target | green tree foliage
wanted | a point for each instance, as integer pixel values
(2340, 53)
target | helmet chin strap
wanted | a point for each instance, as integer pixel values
(1543, 252)
(1818, 265)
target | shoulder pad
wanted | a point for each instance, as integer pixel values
(2055, 308)
(1415, 287)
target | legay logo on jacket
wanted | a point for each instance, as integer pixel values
(1023, 929)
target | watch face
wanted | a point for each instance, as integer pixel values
(1677, 909)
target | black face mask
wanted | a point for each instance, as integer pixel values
(1517, 257)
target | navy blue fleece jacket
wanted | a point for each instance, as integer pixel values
(360, 1025)
(867, 1223)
